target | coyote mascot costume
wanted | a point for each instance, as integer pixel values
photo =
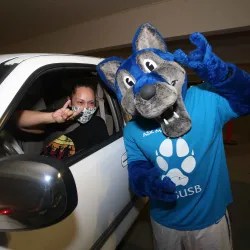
(174, 141)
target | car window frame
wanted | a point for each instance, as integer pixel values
(8, 69)
(60, 66)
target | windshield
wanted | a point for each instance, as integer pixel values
(5, 70)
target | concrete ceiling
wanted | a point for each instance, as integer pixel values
(22, 19)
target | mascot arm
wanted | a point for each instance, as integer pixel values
(145, 180)
(144, 177)
(229, 81)
(236, 90)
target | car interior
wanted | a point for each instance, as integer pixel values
(50, 92)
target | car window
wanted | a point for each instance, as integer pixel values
(48, 93)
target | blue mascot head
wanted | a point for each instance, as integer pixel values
(150, 83)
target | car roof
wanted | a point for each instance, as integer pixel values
(7, 57)
(17, 58)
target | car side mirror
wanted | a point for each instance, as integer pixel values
(35, 192)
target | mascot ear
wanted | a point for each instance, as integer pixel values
(147, 36)
(107, 70)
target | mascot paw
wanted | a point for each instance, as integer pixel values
(202, 60)
(160, 189)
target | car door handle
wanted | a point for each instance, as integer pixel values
(124, 160)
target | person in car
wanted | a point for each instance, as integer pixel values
(70, 128)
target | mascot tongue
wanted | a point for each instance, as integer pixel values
(150, 83)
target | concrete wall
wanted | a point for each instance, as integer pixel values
(173, 18)
(233, 47)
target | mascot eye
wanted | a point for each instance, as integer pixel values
(149, 65)
(174, 82)
(128, 81)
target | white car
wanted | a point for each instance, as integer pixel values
(40, 193)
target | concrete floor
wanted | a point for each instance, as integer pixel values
(238, 159)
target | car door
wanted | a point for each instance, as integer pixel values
(104, 198)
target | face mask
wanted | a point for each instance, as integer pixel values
(85, 115)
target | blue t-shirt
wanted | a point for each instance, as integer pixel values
(196, 162)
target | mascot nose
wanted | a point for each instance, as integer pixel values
(148, 91)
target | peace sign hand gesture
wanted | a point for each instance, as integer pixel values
(65, 114)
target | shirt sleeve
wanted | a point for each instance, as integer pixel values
(133, 151)
(225, 111)
(221, 105)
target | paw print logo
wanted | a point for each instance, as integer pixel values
(188, 164)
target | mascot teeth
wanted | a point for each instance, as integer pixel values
(176, 115)
(165, 121)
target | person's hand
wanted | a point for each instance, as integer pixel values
(208, 66)
(65, 114)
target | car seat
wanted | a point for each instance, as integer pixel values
(108, 119)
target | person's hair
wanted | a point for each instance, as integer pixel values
(89, 82)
